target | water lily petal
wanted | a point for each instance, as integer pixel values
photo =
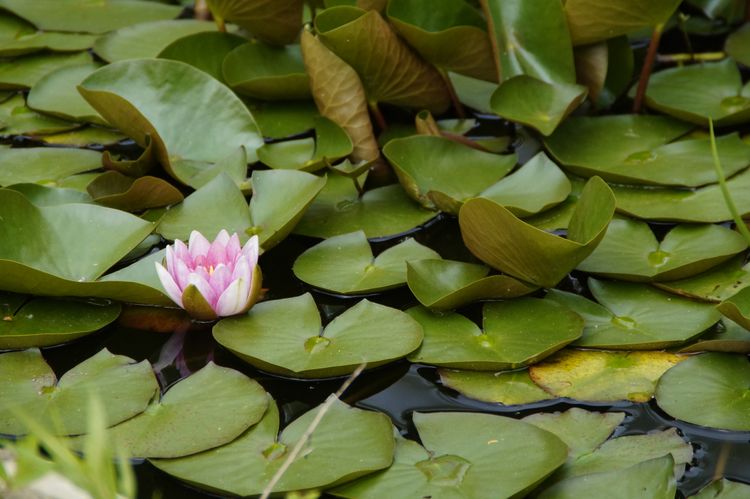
(181, 252)
(220, 278)
(251, 250)
(217, 253)
(204, 288)
(197, 244)
(233, 247)
(167, 281)
(232, 301)
(170, 258)
(181, 273)
(242, 269)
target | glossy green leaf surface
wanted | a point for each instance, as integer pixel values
(205, 50)
(20, 120)
(43, 164)
(25, 72)
(581, 430)
(146, 39)
(57, 94)
(266, 72)
(115, 190)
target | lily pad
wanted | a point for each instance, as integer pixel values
(41, 195)
(279, 120)
(273, 21)
(44, 164)
(515, 333)
(56, 94)
(727, 336)
(146, 39)
(86, 136)
(723, 489)
(30, 389)
(285, 337)
(708, 390)
(267, 72)
(505, 387)
(440, 173)
(603, 376)
(631, 252)
(345, 264)
(636, 316)
(347, 444)
(446, 284)
(205, 50)
(38, 41)
(380, 212)
(115, 190)
(504, 242)
(207, 409)
(737, 43)
(473, 92)
(25, 72)
(469, 463)
(714, 285)
(135, 97)
(737, 307)
(20, 120)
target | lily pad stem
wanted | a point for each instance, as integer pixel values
(648, 64)
(379, 118)
(460, 111)
(359, 188)
(738, 221)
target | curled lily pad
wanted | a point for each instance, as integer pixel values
(441, 173)
(40, 322)
(538, 185)
(30, 389)
(737, 307)
(20, 120)
(603, 376)
(135, 97)
(708, 390)
(273, 21)
(25, 72)
(505, 387)
(44, 164)
(469, 463)
(380, 212)
(631, 252)
(205, 50)
(515, 333)
(345, 264)
(636, 316)
(698, 92)
(267, 72)
(727, 336)
(56, 94)
(504, 242)
(714, 285)
(207, 409)
(146, 39)
(119, 191)
(450, 34)
(446, 284)
(347, 443)
(285, 337)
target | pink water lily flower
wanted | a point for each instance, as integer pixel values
(212, 279)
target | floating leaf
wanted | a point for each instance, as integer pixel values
(636, 316)
(446, 284)
(631, 252)
(603, 376)
(442, 174)
(205, 50)
(727, 336)
(723, 489)
(267, 72)
(737, 307)
(347, 443)
(56, 94)
(506, 243)
(82, 137)
(38, 41)
(115, 190)
(714, 285)
(20, 120)
(737, 43)
(41, 195)
(40, 322)
(285, 337)
(30, 389)
(515, 333)
(25, 72)
(44, 164)
(279, 120)
(273, 21)
(345, 264)
(470, 463)
(207, 409)
(708, 390)
(506, 387)
(146, 39)
(473, 92)
(135, 97)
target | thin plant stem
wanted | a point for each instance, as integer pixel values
(310, 429)
(379, 118)
(738, 221)
(648, 64)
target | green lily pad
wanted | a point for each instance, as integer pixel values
(40, 322)
(631, 252)
(205, 50)
(390, 71)
(146, 39)
(345, 264)
(723, 489)
(86, 136)
(20, 120)
(505, 387)
(537, 186)
(115, 190)
(38, 41)
(603, 376)
(708, 390)
(473, 92)
(41, 195)
(714, 285)
(44, 164)
(209, 408)
(727, 336)
(279, 119)
(446, 284)
(267, 72)
(25, 72)
(347, 444)
(636, 316)
(737, 307)
(449, 34)
(89, 17)
(440, 173)
(503, 241)
(273, 21)
(380, 212)
(470, 463)
(135, 97)
(536, 103)
(30, 389)
(737, 43)
(285, 337)
(56, 94)
(515, 333)
(698, 92)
